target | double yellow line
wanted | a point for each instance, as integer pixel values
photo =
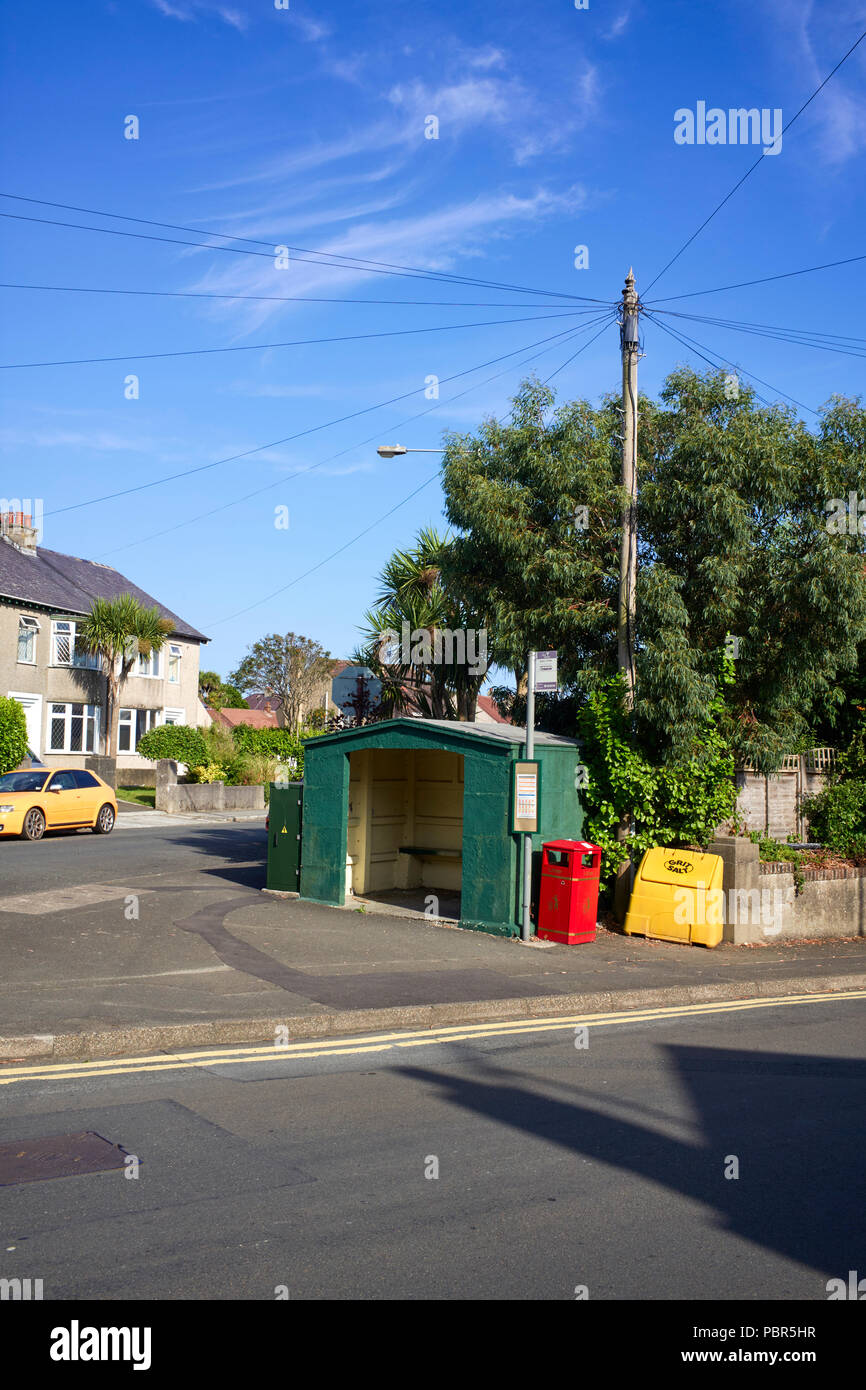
(386, 1042)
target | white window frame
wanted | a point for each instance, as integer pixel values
(148, 660)
(90, 716)
(27, 624)
(174, 716)
(89, 660)
(175, 657)
(137, 722)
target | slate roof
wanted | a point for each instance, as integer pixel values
(65, 584)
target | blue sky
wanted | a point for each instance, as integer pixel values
(306, 127)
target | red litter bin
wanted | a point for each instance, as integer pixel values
(568, 899)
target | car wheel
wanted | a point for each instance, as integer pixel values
(34, 824)
(104, 821)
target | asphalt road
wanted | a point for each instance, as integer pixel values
(558, 1166)
(79, 856)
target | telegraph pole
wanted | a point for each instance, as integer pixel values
(629, 342)
(627, 609)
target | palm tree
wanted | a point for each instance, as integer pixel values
(416, 587)
(117, 630)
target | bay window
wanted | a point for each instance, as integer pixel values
(66, 648)
(73, 728)
(132, 725)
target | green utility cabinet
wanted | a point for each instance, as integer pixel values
(285, 818)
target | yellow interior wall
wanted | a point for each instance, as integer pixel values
(404, 797)
(439, 816)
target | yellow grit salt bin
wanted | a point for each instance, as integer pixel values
(678, 896)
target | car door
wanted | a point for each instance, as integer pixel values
(91, 796)
(62, 801)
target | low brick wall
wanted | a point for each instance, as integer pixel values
(832, 902)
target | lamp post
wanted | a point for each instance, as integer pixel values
(390, 451)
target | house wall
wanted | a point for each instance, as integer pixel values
(63, 684)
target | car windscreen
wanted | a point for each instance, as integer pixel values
(22, 781)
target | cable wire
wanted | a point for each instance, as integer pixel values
(287, 298)
(760, 158)
(295, 342)
(345, 262)
(278, 482)
(288, 439)
(433, 476)
(695, 346)
(764, 280)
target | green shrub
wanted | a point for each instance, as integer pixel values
(13, 734)
(284, 745)
(674, 804)
(177, 741)
(219, 745)
(837, 816)
(210, 772)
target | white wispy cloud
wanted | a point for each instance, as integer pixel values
(188, 11)
(618, 26)
(813, 37)
(437, 239)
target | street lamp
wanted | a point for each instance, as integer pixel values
(390, 451)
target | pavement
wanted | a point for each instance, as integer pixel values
(161, 938)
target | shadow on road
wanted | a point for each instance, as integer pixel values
(792, 1122)
(245, 851)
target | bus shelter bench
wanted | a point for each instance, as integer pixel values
(428, 852)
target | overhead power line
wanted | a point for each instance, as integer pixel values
(295, 342)
(283, 298)
(337, 260)
(288, 439)
(796, 338)
(720, 362)
(339, 551)
(279, 482)
(754, 166)
(744, 284)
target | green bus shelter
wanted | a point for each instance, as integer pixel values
(428, 804)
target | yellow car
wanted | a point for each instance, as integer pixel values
(55, 798)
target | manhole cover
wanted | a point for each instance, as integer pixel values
(59, 1156)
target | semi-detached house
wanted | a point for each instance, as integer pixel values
(43, 598)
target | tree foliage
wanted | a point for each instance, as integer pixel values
(290, 668)
(219, 694)
(735, 556)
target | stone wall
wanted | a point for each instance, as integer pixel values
(832, 902)
(761, 904)
(174, 796)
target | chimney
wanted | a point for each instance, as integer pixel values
(18, 529)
